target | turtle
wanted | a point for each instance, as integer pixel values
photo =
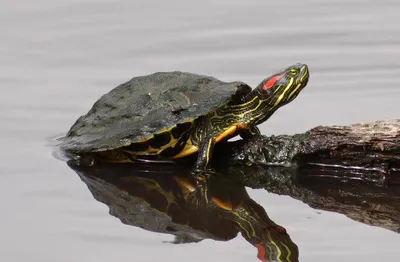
(167, 116)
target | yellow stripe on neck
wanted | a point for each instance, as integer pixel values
(284, 92)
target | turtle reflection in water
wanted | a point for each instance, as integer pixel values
(170, 115)
(167, 200)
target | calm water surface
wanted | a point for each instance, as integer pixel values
(58, 57)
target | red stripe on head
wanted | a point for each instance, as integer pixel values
(261, 252)
(271, 82)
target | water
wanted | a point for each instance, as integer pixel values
(57, 58)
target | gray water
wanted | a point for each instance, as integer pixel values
(58, 57)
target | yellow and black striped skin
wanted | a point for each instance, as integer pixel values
(237, 117)
(272, 241)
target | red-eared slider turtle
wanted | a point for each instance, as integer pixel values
(170, 115)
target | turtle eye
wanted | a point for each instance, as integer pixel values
(293, 72)
(271, 82)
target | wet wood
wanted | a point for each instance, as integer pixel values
(372, 148)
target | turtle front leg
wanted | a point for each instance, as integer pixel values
(204, 155)
(201, 167)
(250, 132)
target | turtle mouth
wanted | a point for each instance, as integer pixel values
(305, 82)
(304, 75)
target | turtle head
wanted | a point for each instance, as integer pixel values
(276, 91)
(284, 86)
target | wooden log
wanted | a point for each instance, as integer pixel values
(353, 170)
(371, 149)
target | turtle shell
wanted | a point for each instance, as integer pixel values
(146, 105)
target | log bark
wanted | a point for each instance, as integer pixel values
(370, 150)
